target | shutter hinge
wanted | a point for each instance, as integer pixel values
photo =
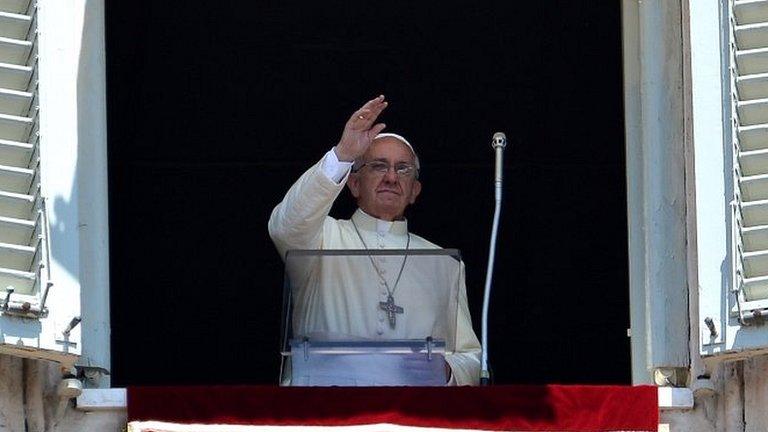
(23, 309)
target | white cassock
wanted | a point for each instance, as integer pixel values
(301, 221)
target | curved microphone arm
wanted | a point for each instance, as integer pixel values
(498, 143)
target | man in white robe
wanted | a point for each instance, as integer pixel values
(384, 182)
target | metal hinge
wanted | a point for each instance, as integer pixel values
(22, 309)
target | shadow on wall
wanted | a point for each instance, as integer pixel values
(81, 220)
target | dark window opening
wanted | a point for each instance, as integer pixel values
(214, 109)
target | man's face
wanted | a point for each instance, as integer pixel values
(385, 195)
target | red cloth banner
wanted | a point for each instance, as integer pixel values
(516, 408)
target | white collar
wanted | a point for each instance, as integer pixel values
(369, 223)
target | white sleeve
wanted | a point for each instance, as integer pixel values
(465, 361)
(333, 168)
(297, 222)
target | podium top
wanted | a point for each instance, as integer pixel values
(292, 253)
(358, 295)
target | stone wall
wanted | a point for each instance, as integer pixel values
(30, 401)
(738, 402)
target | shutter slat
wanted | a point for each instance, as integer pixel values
(751, 11)
(18, 180)
(15, 153)
(754, 188)
(21, 281)
(755, 263)
(755, 213)
(15, 51)
(16, 205)
(16, 256)
(752, 36)
(753, 137)
(755, 238)
(749, 62)
(14, 77)
(15, 26)
(753, 112)
(15, 128)
(15, 6)
(756, 288)
(754, 162)
(15, 102)
(753, 87)
(16, 231)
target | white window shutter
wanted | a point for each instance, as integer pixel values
(749, 92)
(22, 219)
(729, 89)
(39, 268)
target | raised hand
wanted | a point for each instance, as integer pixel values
(360, 130)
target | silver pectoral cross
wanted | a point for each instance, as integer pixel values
(391, 309)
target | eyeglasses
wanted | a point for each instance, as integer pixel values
(402, 169)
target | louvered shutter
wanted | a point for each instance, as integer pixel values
(749, 92)
(22, 218)
(39, 296)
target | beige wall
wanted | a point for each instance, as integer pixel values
(739, 401)
(29, 393)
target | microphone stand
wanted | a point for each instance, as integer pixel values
(498, 144)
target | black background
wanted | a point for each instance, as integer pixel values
(215, 108)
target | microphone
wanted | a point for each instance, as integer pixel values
(499, 142)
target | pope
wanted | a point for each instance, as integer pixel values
(381, 171)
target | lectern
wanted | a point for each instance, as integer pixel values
(383, 317)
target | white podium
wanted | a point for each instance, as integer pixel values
(369, 317)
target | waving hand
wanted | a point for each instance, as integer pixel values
(360, 130)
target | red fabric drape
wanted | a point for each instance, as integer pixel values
(520, 408)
